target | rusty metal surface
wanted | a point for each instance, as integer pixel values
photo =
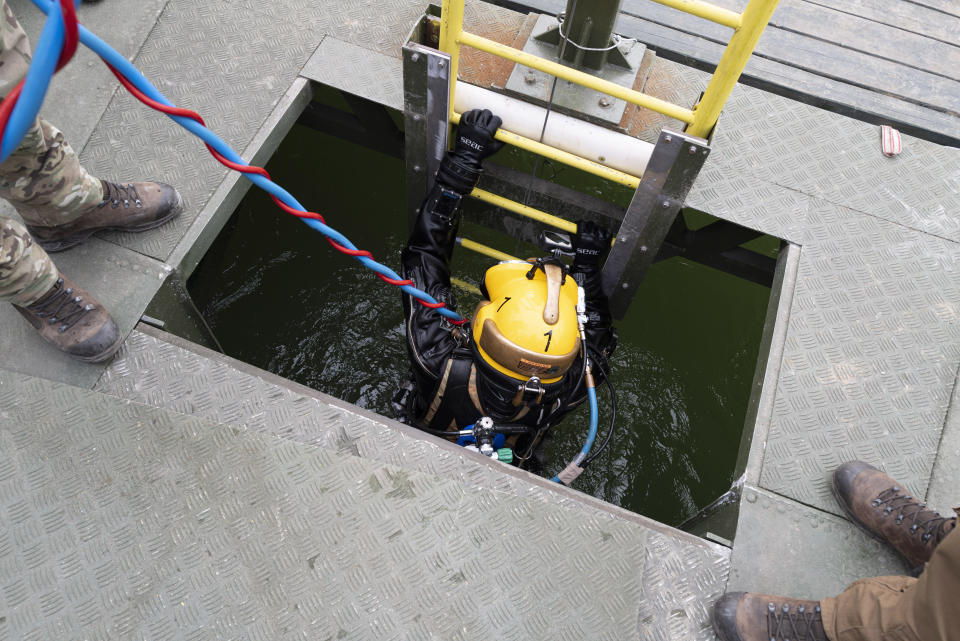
(497, 24)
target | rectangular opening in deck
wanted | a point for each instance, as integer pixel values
(275, 295)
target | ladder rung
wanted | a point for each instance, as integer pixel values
(559, 155)
(706, 11)
(577, 77)
(524, 210)
(466, 243)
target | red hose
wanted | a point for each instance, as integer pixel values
(260, 171)
(71, 39)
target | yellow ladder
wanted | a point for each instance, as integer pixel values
(700, 120)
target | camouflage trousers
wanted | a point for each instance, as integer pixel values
(43, 179)
(26, 272)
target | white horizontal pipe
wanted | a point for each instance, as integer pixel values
(610, 148)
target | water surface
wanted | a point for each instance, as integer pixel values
(279, 297)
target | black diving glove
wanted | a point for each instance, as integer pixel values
(590, 244)
(460, 169)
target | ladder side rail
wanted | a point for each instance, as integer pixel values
(732, 63)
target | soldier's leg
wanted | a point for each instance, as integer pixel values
(901, 608)
(61, 203)
(43, 177)
(14, 50)
(44, 180)
(63, 314)
(26, 272)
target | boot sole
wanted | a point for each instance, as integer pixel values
(54, 246)
(914, 571)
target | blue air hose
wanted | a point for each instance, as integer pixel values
(37, 80)
(591, 434)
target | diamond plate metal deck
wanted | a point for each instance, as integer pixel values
(231, 71)
(838, 159)
(680, 585)
(380, 26)
(122, 280)
(358, 71)
(786, 548)
(83, 89)
(943, 493)
(871, 355)
(123, 521)
(868, 369)
(682, 574)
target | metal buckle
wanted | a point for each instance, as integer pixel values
(529, 388)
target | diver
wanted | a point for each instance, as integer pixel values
(520, 361)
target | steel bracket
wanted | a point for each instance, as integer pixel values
(426, 112)
(673, 167)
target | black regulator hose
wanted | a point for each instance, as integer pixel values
(505, 428)
(583, 370)
(604, 369)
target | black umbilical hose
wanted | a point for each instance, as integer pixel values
(602, 364)
(507, 428)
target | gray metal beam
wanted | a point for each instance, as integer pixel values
(674, 165)
(426, 74)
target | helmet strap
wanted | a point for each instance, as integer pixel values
(540, 263)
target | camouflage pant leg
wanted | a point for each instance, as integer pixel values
(45, 181)
(26, 272)
(14, 51)
(43, 178)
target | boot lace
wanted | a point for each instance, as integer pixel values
(114, 194)
(907, 508)
(61, 306)
(802, 624)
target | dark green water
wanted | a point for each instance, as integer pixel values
(277, 296)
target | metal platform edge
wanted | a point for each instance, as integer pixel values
(225, 199)
(570, 494)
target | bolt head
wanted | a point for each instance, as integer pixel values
(417, 168)
(604, 101)
(668, 139)
(441, 64)
(693, 149)
(415, 57)
(665, 204)
(530, 78)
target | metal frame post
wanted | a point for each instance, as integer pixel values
(426, 106)
(589, 24)
(673, 167)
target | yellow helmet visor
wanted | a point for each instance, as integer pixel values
(515, 358)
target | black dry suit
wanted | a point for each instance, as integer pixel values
(451, 386)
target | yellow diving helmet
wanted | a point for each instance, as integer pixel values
(528, 327)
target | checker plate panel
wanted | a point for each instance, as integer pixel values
(123, 521)
(871, 355)
(150, 370)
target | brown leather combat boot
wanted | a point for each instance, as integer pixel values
(881, 506)
(750, 616)
(74, 322)
(125, 207)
